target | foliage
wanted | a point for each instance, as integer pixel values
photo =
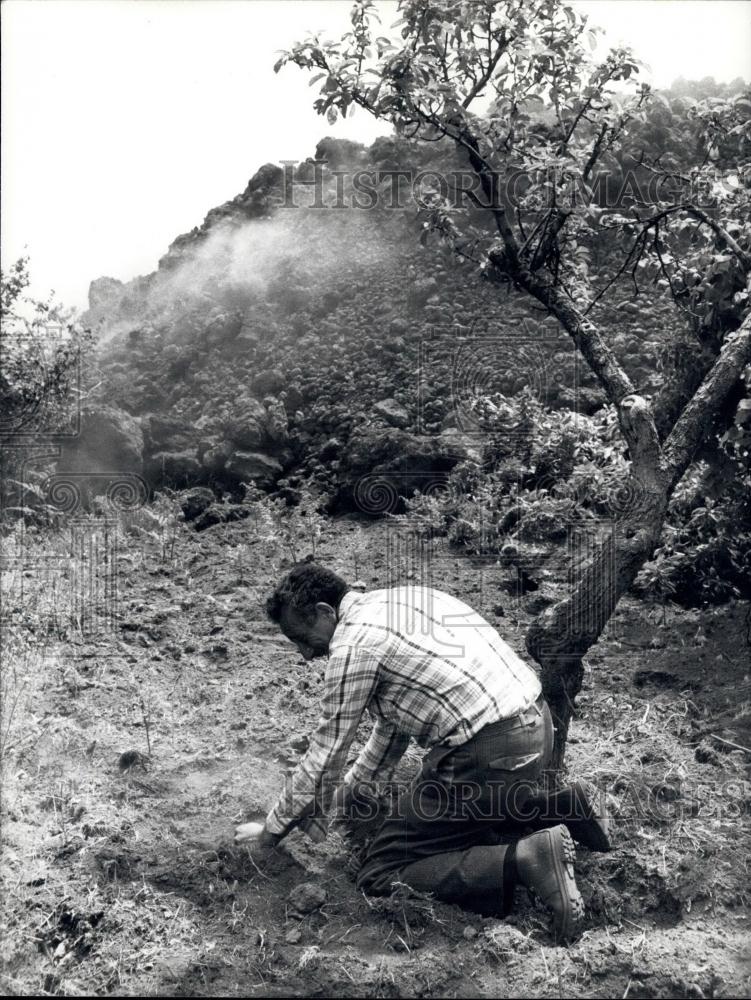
(542, 121)
(544, 470)
(705, 551)
(288, 534)
(41, 350)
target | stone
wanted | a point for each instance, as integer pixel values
(168, 468)
(105, 458)
(214, 458)
(221, 513)
(165, 433)
(195, 501)
(253, 466)
(381, 465)
(463, 443)
(330, 450)
(109, 440)
(247, 427)
(223, 327)
(392, 412)
(305, 898)
(276, 421)
(105, 294)
(300, 743)
(268, 382)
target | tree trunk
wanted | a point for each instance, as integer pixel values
(560, 637)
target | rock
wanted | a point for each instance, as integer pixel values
(300, 743)
(392, 412)
(275, 421)
(165, 433)
(105, 457)
(381, 465)
(247, 428)
(194, 502)
(582, 400)
(629, 307)
(341, 152)
(180, 468)
(221, 514)
(109, 439)
(420, 291)
(223, 327)
(253, 466)
(706, 754)
(214, 458)
(537, 604)
(268, 382)
(305, 898)
(292, 398)
(105, 294)
(464, 443)
(131, 758)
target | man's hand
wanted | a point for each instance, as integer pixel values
(255, 835)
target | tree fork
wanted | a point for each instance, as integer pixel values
(560, 637)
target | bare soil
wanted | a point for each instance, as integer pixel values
(129, 756)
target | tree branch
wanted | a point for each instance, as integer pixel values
(695, 422)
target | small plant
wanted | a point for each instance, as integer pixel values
(160, 521)
(293, 531)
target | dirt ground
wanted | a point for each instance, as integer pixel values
(129, 753)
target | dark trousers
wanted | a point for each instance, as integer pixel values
(444, 834)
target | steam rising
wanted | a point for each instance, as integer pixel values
(272, 267)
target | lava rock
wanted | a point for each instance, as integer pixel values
(380, 466)
(174, 469)
(255, 467)
(109, 439)
(248, 427)
(392, 412)
(214, 458)
(168, 434)
(268, 382)
(195, 501)
(305, 898)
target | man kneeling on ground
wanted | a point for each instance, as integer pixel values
(428, 667)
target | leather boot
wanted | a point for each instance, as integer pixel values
(571, 806)
(545, 865)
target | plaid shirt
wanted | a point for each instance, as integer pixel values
(426, 666)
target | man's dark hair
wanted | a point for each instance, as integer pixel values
(303, 587)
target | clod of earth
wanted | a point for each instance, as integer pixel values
(305, 898)
(131, 758)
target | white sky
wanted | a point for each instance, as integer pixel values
(125, 121)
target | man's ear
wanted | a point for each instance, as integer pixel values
(326, 610)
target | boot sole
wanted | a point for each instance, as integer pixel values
(567, 924)
(594, 833)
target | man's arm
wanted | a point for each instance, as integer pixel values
(377, 760)
(351, 677)
(379, 756)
